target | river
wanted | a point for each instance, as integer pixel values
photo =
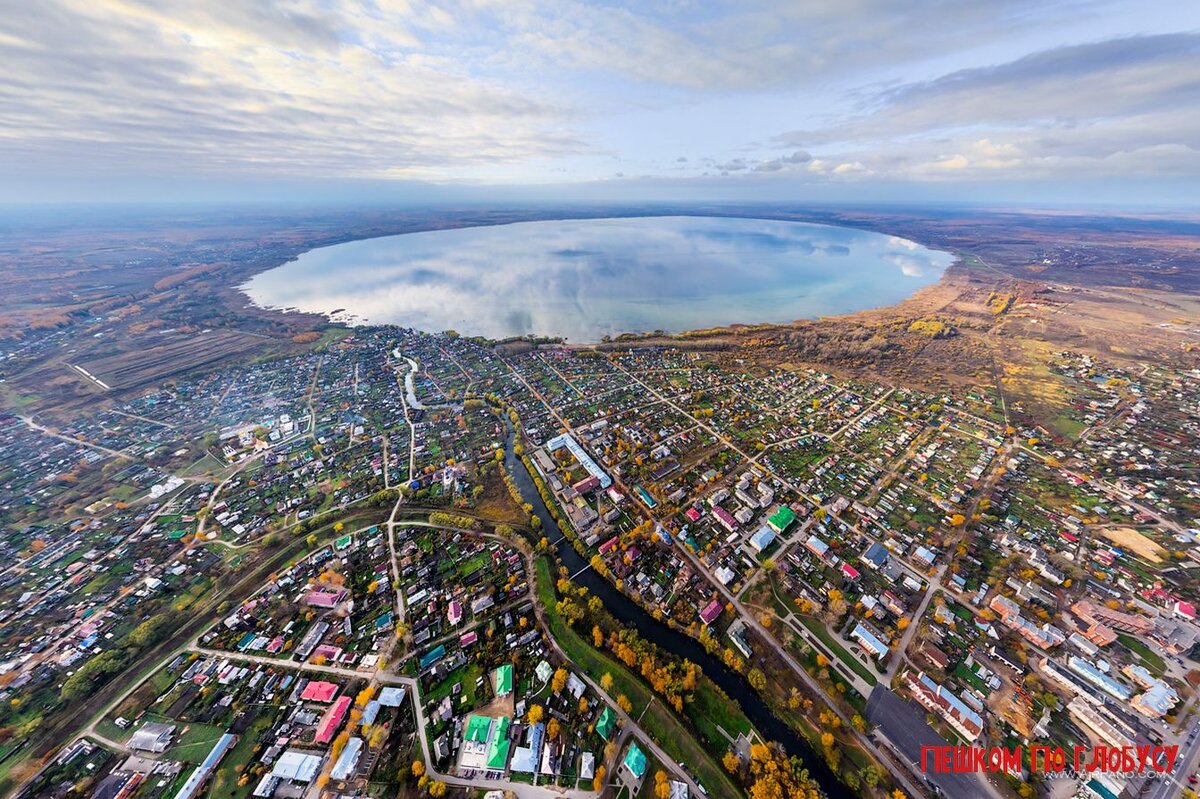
(671, 640)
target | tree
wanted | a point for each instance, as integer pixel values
(418, 768)
(379, 733)
(606, 682)
(757, 679)
(535, 714)
(731, 763)
(437, 789)
(624, 703)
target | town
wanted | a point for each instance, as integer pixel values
(434, 565)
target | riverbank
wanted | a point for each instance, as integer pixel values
(658, 720)
(678, 644)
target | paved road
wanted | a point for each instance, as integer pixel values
(629, 725)
(903, 724)
(752, 621)
(1186, 765)
(28, 420)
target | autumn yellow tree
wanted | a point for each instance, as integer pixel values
(598, 779)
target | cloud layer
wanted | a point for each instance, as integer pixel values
(533, 91)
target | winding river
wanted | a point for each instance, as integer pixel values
(671, 640)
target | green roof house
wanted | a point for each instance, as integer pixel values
(782, 519)
(504, 680)
(497, 753)
(606, 723)
(478, 729)
(635, 761)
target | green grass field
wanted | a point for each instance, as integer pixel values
(821, 631)
(193, 743)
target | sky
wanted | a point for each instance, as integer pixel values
(1070, 102)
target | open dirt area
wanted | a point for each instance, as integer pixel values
(1133, 541)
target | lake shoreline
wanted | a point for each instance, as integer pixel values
(595, 280)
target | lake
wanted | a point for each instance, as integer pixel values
(585, 279)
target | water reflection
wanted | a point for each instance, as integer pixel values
(584, 279)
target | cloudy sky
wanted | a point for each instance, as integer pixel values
(813, 99)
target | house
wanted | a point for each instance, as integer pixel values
(586, 485)
(633, 767)
(319, 598)
(153, 736)
(298, 766)
(943, 702)
(876, 556)
(869, 641)
(319, 691)
(816, 546)
(724, 519)
(503, 680)
(782, 519)
(587, 766)
(195, 782)
(711, 612)
(332, 720)
(568, 441)
(1157, 701)
(525, 758)
(1099, 614)
(936, 656)
(391, 696)
(763, 538)
(924, 556)
(347, 762)
(606, 723)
